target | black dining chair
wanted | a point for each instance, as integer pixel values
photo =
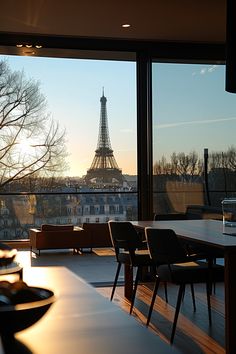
(178, 267)
(130, 250)
(201, 251)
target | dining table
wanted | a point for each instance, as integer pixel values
(82, 321)
(213, 234)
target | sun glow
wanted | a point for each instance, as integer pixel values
(25, 146)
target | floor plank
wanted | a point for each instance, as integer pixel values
(194, 335)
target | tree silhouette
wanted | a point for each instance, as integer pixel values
(226, 160)
(31, 143)
(188, 167)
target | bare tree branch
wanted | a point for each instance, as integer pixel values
(31, 143)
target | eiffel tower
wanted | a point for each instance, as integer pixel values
(104, 170)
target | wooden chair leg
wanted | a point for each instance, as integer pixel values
(157, 282)
(166, 294)
(115, 281)
(193, 297)
(179, 300)
(208, 290)
(183, 293)
(165, 285)
(138, 275)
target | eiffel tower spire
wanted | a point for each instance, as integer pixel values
(104, 169)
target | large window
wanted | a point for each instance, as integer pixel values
(194, 149)
(62, 137)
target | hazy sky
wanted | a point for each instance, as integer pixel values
(191, 108)
(73, 89)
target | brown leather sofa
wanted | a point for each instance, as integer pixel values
(91, 235)
(97, 235)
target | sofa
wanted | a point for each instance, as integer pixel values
(54, 237)
(97, 235)
(91, 235)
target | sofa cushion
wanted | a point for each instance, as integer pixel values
(51, 227)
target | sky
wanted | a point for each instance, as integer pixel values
(73, 88)
(191, 109)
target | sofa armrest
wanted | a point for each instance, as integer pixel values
(32, 231)
(33, 234)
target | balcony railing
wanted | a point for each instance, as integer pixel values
(22, 211)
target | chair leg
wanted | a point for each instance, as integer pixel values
(193, 297)
(166, 295)
(115, 281)
(183, 293)
(138, 275)
(157, 282)
(208, 290)
(210, 265)
(179, 300)
(165, 285)
(212, 285)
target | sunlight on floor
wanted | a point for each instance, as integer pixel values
(24, 258)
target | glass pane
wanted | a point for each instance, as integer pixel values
(75, 135)
(194, 151)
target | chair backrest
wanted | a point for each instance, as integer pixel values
(164, 246)
(123, 236)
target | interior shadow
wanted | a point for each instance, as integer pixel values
(11, 345)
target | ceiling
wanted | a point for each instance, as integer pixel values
(198, 21)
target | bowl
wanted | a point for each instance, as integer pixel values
(15, 318)
(7, 255)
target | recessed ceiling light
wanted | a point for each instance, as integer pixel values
(19, 45)
(28, 45)
(38, 46)
(125, 25)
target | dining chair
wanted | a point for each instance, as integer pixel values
(201, 251)
(177, 268)
(129, 250)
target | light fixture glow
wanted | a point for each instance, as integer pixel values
(126, 25)
(31, 52)
(37, 46)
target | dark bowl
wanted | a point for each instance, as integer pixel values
(15, 318)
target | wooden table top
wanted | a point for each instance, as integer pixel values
(209, 232)
(82, 321)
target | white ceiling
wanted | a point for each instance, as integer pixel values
(172, 20)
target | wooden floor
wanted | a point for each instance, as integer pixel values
(193, 334)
